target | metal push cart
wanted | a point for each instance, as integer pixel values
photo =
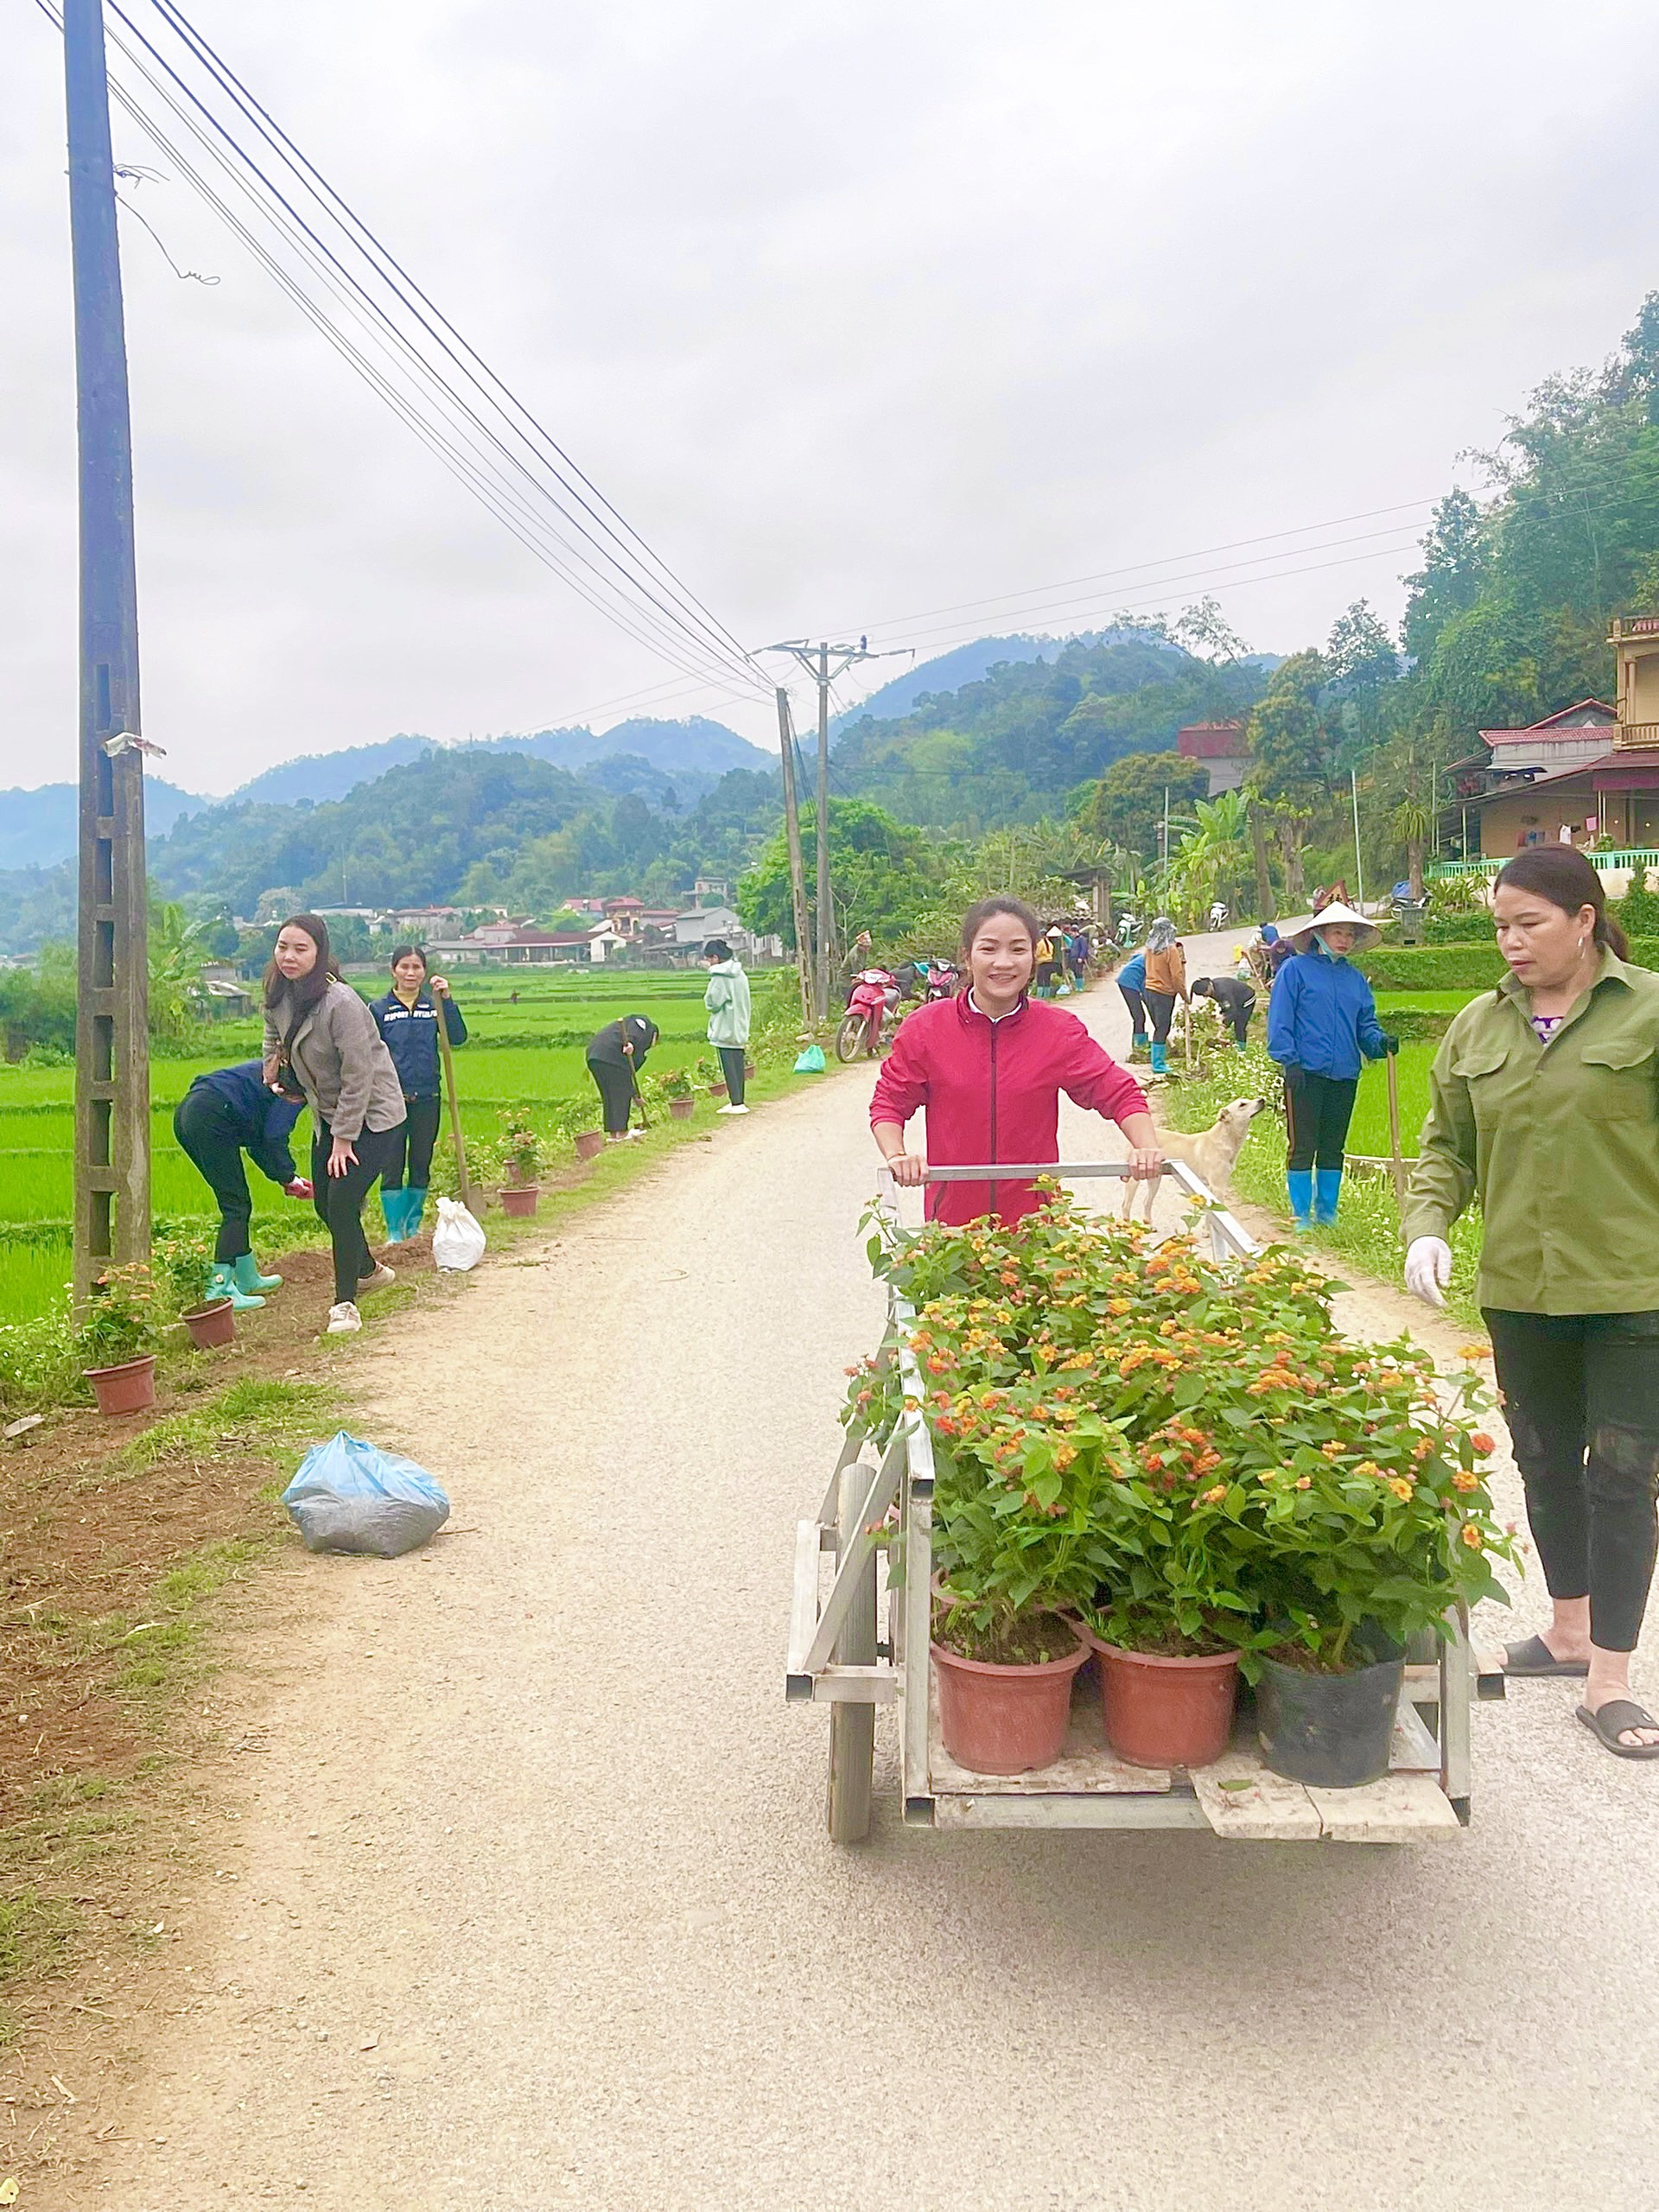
(837, 1656)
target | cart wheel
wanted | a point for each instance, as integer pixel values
(849, 1038)
(852, 1727)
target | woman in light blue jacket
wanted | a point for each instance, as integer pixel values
(728, 1001)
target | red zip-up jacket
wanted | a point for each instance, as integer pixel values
(992, 1091)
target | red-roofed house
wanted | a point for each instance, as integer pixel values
(1221, 748)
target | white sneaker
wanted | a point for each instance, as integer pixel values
(734, 1109)
(343, 1320)
(382, 1278)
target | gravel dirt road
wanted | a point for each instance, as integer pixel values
(535, 1906)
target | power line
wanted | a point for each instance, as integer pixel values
(467, 444)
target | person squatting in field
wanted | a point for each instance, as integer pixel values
(321, 1040)
(221, 1116)
(987, 1067)
(1544, 1106)
(408, 1020)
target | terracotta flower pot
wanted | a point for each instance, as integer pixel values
(1159, 1712)
(212, 1324)
(128, 1389)
(1005, 1720)
(590, 1144)
(682, 1109)
(519, 1199)
(716, 1090)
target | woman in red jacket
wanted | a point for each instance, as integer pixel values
(989, 1067)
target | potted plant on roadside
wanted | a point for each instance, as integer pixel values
(180, 1261)
(521, 1154)
(677, 1089)
(1375, 1522)
(577, 1121)
(713, 1081)
(119, 1331)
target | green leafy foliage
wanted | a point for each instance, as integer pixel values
(1126, 805)
(882, 872)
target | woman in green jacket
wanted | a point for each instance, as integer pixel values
(1545, 1106)
(728, 1001)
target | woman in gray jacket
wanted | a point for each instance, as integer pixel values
(322, 1043)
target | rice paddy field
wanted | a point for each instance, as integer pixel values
(523, 1061)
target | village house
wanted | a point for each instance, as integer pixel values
(1219, 747)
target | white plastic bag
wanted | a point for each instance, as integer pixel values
(458, 1240)
(352, 1497)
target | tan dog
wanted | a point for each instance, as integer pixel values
(1211, 1154)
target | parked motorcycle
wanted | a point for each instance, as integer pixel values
(875, 995)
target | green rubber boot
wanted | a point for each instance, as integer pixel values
(395, 1206)
(222, 1283)
(414, 1209)
(249, 1279)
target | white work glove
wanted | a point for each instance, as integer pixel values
(1428, 1269)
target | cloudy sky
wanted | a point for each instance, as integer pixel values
(856, 312)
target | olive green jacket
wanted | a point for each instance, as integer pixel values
(1558, 1141)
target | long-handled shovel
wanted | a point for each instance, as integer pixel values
(1393, 1136)
(462, 1183)
(633, 1086)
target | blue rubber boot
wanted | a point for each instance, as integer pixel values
(1327, 1189)
(1139, 1042)
(249, 1279)
(414, 1209)
(1160, 1059)
(395, 1206)
(222, 1283)
(1300, 1183)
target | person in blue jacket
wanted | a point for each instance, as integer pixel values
(1132, 981)
(407, 1019)
(1322, 1026)
(221, 1116)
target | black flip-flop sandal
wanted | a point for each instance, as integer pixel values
(1619, 1713)
(1535, 1657)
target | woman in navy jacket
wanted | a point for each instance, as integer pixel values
(408, 1018)
(221, 1116)
(1322, 1026)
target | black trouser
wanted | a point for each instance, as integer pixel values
(1160, 1005)
(420, 1133)
(615, 1081)
(1580, 1398)
(1139, 1018)
(1318, 1110)
(732, 1062)
(339, 1199)
(208, 1129)
(1238, 1012)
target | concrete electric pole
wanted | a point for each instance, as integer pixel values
(111, 1047)
(796, 865)
(815, 659)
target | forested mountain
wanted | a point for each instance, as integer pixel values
(1008, 746)
(40, 827)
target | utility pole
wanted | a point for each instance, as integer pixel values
(112, 1049)
(1359, 865)
(815, 659)
(796, 865)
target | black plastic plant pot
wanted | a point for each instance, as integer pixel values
(1331, 1730)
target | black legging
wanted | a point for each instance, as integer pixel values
(420, 1133)
(208, 1129)
(1160, 1005)
(731, 1062)
(1139, 1019)
(615, 1081)
(1584, 1414)
(339, 1199)
(1318, 1111)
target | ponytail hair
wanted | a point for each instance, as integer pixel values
(1565, 877)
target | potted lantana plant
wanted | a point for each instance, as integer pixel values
(677, 1089)
(521, 1152)
(1376, 1520)
(181, 1258)
(576, 1120)
(119, 1331)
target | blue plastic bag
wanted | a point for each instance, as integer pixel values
(811, 1061)
(352, 1497)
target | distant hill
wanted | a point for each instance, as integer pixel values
(39, 828)
(321, 776)
(948, 672)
